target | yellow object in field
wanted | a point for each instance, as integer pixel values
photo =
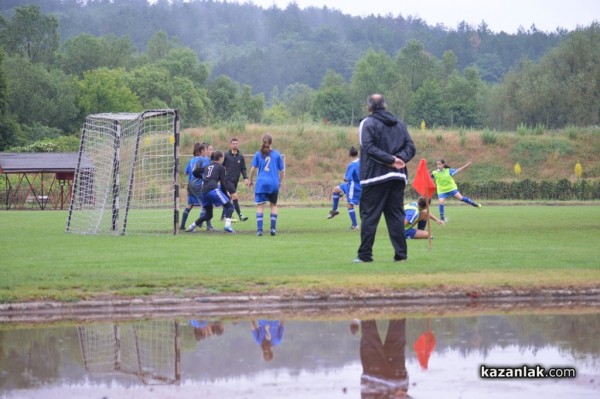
(423, 125)
(517, 169)
(578, 169)
(147, 141)
(172, 139)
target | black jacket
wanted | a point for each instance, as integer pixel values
(235, 164)
(383, 136)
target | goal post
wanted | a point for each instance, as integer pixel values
(127, 176)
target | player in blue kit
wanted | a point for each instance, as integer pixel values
(415, 219)
(213, 192)
(270, 171)
(351, 187)
(202, 154)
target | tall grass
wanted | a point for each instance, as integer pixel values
(492, 247)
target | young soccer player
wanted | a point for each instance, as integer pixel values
(415, 214)
(213, 192)
(270, 171)
(446, 186)
(351, 187)
(194, 186)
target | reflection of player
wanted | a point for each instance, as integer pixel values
(204, 329)
(384, 364)
(267, 334)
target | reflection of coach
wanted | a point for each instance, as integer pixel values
(384, 365)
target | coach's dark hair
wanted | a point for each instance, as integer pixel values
(215, 156)
(353, 152)
(265, 148)
(443, 163)
(376, 102)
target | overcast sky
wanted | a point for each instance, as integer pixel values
(500, 15)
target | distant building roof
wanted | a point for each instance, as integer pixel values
(40, 162)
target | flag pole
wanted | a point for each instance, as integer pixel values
(428, 224)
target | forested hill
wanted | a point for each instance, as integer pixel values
(272, 48)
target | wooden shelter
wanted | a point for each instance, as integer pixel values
(37, 180)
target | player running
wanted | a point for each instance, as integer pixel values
(351, 187)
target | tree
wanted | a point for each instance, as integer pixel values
(375, 72)
(333, 103)
(105, 90)
(31, 34)
(159, 46)
(184, 62)
(39, 95)
(223, 96)
(428, 104)
(298, 99)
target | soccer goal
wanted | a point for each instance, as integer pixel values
(148, 350)
(127, 177)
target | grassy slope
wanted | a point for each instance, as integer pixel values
(317, 154)
(479, 249)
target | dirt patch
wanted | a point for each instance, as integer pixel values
(330, 305)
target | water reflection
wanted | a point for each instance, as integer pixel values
(221, 358)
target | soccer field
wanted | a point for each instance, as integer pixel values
(492, 247)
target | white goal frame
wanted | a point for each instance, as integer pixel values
(129, 161)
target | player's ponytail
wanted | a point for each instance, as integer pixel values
(443, 163)
(265, 148)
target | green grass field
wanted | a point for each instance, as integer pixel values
(489, 248)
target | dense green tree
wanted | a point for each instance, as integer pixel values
(86, 52)
(31, 34)
(428, 104)
(333, 103)
(375, 72)
(106, 90)
(223, 96)
(463, 98)
(184, 62)
(249, 106)
(416, 65)
(298, 99)
(159, 46)
(37, 94)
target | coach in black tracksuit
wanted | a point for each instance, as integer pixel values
(235, 165)
(385, 147)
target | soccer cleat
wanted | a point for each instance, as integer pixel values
(210, 228)
(478, 206)
(222, 218)
(243, 218)
(354, 228)
(273, 232)
(228, 230)
(259, 233)
(191, 228)
(358, 260)
(332, 214)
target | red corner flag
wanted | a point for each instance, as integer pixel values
(423, 183)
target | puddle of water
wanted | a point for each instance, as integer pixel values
(384, 358)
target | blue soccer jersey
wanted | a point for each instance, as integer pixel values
(352, 177)
(268, 168)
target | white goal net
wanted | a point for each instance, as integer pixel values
(127, 177)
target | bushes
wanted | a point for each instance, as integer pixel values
(561, 190)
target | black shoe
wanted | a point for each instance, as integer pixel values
(332, 214)
(243, 218)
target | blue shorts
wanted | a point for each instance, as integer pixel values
(448, 194)
(352, 195)
(214, 197)
(410, 233)
(263, 198)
